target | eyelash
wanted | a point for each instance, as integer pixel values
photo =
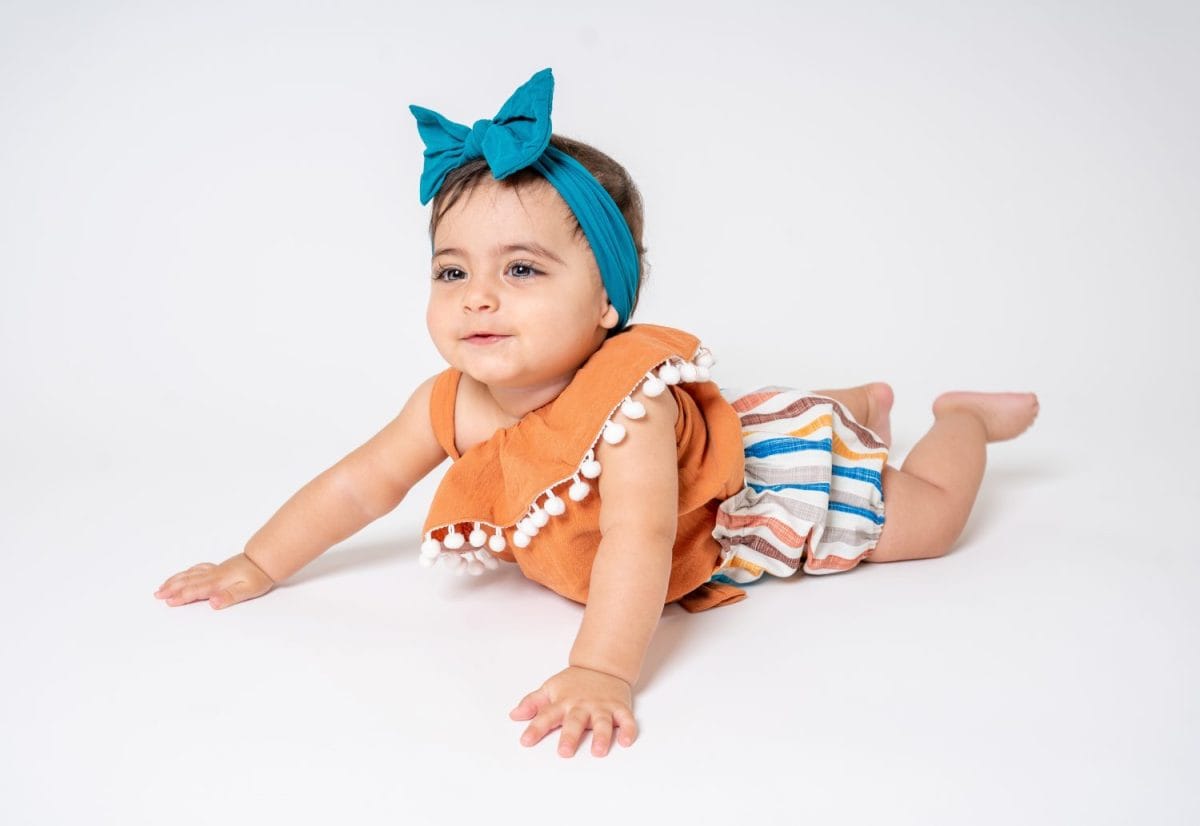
(440, 274)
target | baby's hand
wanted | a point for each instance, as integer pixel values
(578, 699)
(235, 580)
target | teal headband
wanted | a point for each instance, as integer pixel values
(519, 137)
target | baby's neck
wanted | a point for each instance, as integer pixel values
(515, 402)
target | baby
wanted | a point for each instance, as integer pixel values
(537, 263)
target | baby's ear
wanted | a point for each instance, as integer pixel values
(610, 318)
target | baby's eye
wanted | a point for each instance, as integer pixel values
(446, 273)
(522, 270)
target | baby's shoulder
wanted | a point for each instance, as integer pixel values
(476, 415)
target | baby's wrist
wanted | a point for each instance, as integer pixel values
(260, 568)
(606, 672)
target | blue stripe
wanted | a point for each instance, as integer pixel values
(821, 486)
(838, 506)
(861, 473)
(769, 447)
(728, 581)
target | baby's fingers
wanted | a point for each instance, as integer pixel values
(530, 705)
(602, 732)
(547, 720)
(182, 577)
(192, 590)
(574, 725)
(628, 730)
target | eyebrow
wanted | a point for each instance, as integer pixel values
(524, 246)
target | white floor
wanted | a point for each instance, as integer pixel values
(211, 258)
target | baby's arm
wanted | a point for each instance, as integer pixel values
(639, 513)
(363, 486)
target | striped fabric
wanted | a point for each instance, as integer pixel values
(813, 494)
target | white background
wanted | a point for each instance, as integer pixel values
(213, 269)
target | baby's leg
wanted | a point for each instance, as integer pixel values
(928, 499)
(869, 404)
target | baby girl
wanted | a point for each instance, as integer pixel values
(537, 264)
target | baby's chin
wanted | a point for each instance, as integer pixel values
(497, 377)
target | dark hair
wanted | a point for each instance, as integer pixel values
(611, 175)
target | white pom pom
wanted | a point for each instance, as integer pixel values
(478, 538)
(613, 432)
(653, 388)
(702, 373)
(527, 526)
(497, 543)
(687, 371)
(539, 517)
(669, 374)
(633, 410)
(555, 506)
(521, 540)
(430, 548)
(474, 567)
(705, 359)
(579, 491)
(590, 469)
(453, 541)
(455, 562)
(487, 559)
(427, 561)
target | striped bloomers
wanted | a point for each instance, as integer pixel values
(813, 494)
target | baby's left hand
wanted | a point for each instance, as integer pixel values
(579, 698)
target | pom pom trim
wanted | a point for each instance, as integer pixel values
(476, 558)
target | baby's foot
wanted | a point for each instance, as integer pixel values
(879, 410)
(1004, 415)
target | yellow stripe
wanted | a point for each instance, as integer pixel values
(815, 424)
(841, 449)
(738, 562)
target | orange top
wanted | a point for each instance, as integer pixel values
(505, 491)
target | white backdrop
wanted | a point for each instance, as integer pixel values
(213, 269)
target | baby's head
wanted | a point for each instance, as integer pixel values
(510, 257)
(536, 238)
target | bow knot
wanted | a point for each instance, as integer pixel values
(473, 146)
(512, 140)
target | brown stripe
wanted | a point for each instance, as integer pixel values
(844, 498)
(854, 537)
(865, 436)
(762, 546)
(790, 412)
(770, 500)
(764, 474)
(782, 530)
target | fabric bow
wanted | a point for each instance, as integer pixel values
(512, 140)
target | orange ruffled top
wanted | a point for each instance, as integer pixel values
(524, 496)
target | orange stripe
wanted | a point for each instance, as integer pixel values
(753, 400)
(783, 531)
(835, 563)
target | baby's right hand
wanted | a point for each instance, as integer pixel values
(235, 580)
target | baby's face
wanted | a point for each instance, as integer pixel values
(506, 261)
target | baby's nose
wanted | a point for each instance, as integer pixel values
(479, 297)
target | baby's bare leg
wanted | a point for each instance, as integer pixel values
(869, 404)
(928, 499)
